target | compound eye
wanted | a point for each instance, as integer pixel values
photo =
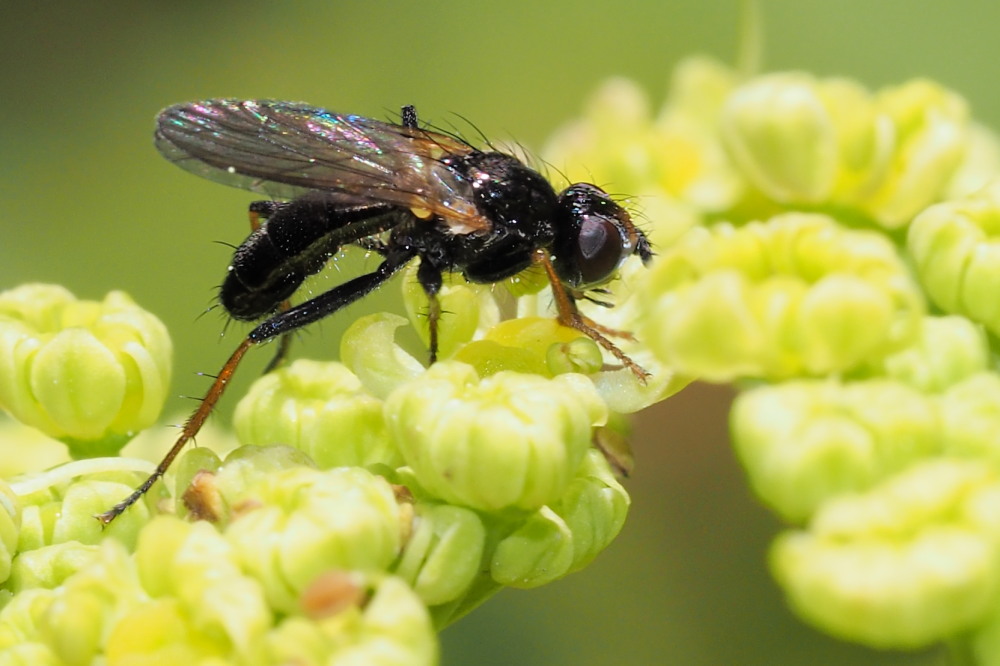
(600, 249)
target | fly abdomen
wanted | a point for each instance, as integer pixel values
(296, 241)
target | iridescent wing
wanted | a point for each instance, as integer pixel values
(284, 150)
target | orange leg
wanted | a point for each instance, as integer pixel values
(191, 428)
(570, 316)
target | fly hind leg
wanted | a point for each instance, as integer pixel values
(259, 212)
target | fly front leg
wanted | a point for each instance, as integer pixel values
(570, 316)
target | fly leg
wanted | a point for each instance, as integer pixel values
(429, 277)
(570, 316)
(259, 212)
(280, 324)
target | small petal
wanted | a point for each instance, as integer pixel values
(558, 540)
(369, 349)
(538, 552)
(444, 554)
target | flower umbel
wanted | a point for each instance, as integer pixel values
(807, 281)
(822, 245)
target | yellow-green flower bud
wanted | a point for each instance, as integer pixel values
(49, 566)
(970, 417)
(946, 351)
(582, 356)
(796, 295)
(195, 574)
(611, 143)
(248, 466)
(538, 344)
(956, 251)
(806, 441)
(464, 308)
(804, 140)
(534, 334)
(66, 513)
(594, 508)
(980, 165)
(320, 408)
(489, 357)
(692, 162)
(298, 523)
(369, 349)
(20, 617)
(209, 489)
(444, 553)
(673, 164)
(391, 629)
(29, 654)
(538, 552)
(90, 374)
(565, 537)
(79, 612)
(930, 126)
(161, 632)
(790, 132)
(10, 528)
(26, 449)
(903, 566)
(86, 588)
(74, 626)
(509, 441)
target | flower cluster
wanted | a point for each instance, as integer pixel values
(833, 251)
(366, 504)
(825, 247)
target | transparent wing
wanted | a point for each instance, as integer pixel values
(285, 149)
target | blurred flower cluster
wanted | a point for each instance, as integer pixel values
(827, 248)
(834, 252)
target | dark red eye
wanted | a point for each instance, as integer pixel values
(600, 249)
(593, 235)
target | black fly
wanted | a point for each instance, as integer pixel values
(400, 190)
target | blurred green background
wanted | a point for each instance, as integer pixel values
(88, 203)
